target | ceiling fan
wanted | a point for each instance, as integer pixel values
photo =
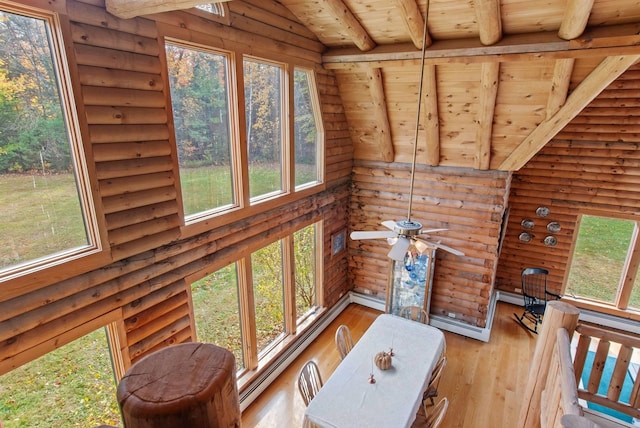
(405, 233)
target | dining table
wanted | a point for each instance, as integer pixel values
(359, 394)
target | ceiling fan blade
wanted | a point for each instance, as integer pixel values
(432, 231)
(374, 234)
(399, 249)
(389, 224)
(437, 245)
(449, 249)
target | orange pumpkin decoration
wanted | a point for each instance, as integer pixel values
(383, 360)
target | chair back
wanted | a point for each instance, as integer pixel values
(534, 285)
(309, 381)
(344, 342)
(415, 313)
(432, 388)
(435, 417)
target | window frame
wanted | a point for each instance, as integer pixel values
(294, 324)
(60, 261)
(245, 208)
(237, 176)
(320, 134)
(285, 132)
(630, 270)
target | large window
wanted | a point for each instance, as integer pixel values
(199, 82)
(46, 213)
(72, 386)
(306, 130)
(263, 100)
(605, 262)
(276, 294)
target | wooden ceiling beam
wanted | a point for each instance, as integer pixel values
(126, 9)
(347, 20)
(382, 127)
(489, 80)
(613, 40)
(601, 77)
(559, 85)
(430, 116)
(489, 21)
(575, 19)
(414, 21)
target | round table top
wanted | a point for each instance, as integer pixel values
(175, 378)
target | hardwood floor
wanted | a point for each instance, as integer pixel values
(483, 381)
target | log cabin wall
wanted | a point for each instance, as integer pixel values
(589, 167)
(470, 203)
(138, 286)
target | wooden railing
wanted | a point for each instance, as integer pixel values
(551, 394)
(560, 396)
(605, 339)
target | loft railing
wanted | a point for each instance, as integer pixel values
(551, 397)
(606, 340)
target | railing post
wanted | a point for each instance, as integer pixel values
(557, 315)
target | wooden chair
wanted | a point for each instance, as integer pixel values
(536, 295)
(432, 389)
(344, 342)
(435, 417)
(415, 313)
(309, 381)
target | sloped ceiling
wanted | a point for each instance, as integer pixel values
(501, 78)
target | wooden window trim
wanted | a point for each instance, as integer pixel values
(29, 276)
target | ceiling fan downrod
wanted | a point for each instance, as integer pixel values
(415, 138)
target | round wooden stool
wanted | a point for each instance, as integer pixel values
(185, 385)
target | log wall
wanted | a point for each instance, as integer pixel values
(138, 284)
(470, 203)
(591, 167)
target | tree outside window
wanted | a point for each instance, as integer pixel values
(199, 82)
(45, 215)
(264, 127)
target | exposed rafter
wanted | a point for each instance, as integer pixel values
(489, 21)
(489, 79)
(559, 85)
(131, 8)
(430, 115)
(412, 17)
(347, 20)
(382, 128)
(601, 77)
(574, 21)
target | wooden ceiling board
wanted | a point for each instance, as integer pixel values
(537, 73)
(381, 19)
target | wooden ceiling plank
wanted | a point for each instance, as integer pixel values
(575, 19)
(489, 21)
(559, 85)
(605, 73)
(347, 20)
(430, 116)
(412, 17)
(126, 9)
(489, 80)
(382, 128)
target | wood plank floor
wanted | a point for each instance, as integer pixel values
(483, 381)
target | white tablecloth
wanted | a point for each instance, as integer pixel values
(347, 399)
